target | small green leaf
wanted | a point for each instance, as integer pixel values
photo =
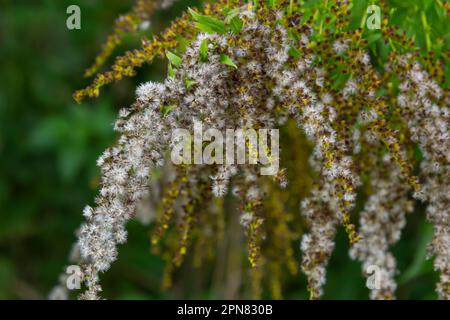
(208, 24)
(173, 58)
(189, 83)
(167, 109)
(204, 50)
(236, 25)
(170, 71)
(224, 59)
(194, 14)
(272, 3)
(231, 14)
(293, 52)
(373, 37)
(339, 80)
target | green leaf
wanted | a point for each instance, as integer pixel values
(208, 24)
(170, 71)
(224, 59)
(174, 59)
(230, 14)
(293, 52)
(373, 37)
(236, 25)
(204, 50)
(189, 83)
(339, 80)
(272, 3)
(167, 109)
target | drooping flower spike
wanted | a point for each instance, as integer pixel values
(257, 65)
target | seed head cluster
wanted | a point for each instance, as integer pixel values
(269, 67)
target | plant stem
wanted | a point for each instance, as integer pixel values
(291, 7)
(325, 5)
(426, 30)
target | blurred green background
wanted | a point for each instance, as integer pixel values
(49, 145)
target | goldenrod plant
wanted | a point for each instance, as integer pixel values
(362, 106)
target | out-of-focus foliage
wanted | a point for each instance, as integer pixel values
(48, 148)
